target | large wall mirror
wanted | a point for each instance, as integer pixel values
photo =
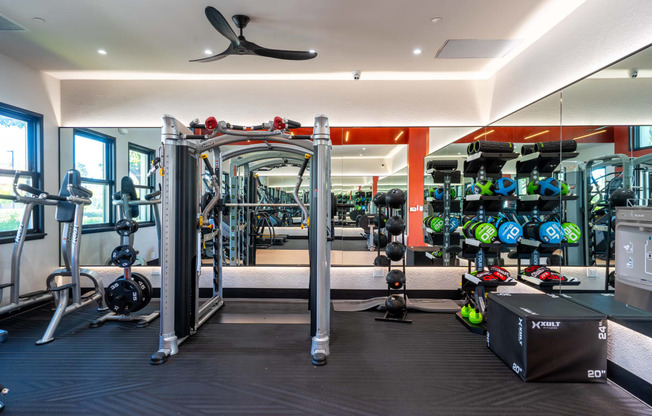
(115, 161)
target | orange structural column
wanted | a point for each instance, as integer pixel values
(374, 185)
(416, 152)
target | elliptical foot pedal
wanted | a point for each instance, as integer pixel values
(158, 358)
(319, 359)
(142, 324)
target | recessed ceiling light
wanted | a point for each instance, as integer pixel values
(364, 148)
(436, 19)
(101, 51)
(417, 51)
(208, 52)
(312, 51)
(360, 154)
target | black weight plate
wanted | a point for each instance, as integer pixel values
(123, 256)
(123, 296)
(126, 227)
(145, 286)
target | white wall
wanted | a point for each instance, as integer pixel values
(97, 247)
(23, 87)
(596, 34)
(346, 103)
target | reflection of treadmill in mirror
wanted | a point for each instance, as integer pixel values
(444, 171)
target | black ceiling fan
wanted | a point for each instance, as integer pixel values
(241, 46)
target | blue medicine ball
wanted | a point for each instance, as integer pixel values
(454, 223)
(510, 232)
(504, 186)
(551, 232)
(549, 187)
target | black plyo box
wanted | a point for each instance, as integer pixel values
(543, 337)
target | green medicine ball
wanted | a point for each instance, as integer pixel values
(437, 224)
(533, 188)
(485, 232)
(483, 187)
(565, 189)
(572, 232)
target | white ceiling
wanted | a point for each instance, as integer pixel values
(160, 36)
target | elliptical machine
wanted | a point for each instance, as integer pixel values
(32, 197)
(70, 211)
(131, 292)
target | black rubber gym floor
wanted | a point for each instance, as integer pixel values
(432, 367)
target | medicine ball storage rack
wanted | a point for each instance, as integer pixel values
(379, 221)
(444, 172)
(395, 304)
(533, 166)
(483, 165)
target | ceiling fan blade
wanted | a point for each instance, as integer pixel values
(282, 54)
(217, 57)
(220, 24)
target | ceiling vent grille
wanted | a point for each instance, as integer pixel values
(476, 48)
(7, 25)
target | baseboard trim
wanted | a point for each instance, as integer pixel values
(630, 382)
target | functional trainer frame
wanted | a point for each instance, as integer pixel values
(181, 221)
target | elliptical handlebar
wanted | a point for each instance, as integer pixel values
(153, 195)
(38, 196)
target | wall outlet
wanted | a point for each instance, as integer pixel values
(591, 272)
(378, 272)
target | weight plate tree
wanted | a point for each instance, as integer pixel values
(395, 304)
(545, 205)
(447, 241)
(484, 164)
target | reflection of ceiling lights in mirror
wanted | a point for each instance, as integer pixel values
(347, 137)
(101, 51)
(398, 136)
(590, 134)
(536, 134)
(483, 134)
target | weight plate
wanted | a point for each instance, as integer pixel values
(123, 296)
(126, 227)
(123, 256)
(146, 288)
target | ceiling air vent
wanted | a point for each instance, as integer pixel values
(476, 48)
(8, 25)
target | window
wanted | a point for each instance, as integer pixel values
(93, 157)
(140, 159)
(641, 137)
(21, 140)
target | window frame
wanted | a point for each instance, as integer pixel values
(34, 166)
(151, 181)
(109, 163)
(635, 139)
